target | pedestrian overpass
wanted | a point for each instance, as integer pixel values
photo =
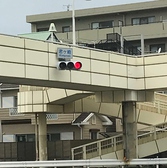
(113, 77)
(33, 62)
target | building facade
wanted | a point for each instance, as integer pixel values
(98, 27)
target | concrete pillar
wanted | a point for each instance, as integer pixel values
(42, 126)
(129, 130)
(1, 134)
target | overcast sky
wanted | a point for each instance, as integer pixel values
(13, 12)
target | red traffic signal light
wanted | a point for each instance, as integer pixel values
(77, 65)
(68, 65)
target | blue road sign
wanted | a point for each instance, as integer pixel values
(64, 53)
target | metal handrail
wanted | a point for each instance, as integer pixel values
(97, 146)
(158, 103)
(85, 163)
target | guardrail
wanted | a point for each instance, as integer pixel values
(83, 163)
(109, 145)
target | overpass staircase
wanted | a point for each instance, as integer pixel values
(151, 140)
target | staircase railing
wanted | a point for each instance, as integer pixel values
(115, 143)
(158, 106)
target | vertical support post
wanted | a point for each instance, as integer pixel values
(1, 134)
(84, 152)
(115, 144)
(122, 44)
(130, 139)
(42, 136)
(154, 132)
(99, 146)
(72, 154)
(73, 23)
(142, 44)
(36, 137)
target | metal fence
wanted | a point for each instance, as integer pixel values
(25, 151)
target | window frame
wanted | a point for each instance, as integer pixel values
(9, 101)
(65, 27)
(162, 46)
(140, 20)
(110, 25)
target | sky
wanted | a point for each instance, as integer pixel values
(13, 12)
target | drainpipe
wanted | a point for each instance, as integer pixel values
(81, 134)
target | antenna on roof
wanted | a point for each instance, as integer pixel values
(68, 7)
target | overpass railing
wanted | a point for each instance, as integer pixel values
(158, 106)
(115, 143)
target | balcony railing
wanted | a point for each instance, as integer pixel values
(14, 112)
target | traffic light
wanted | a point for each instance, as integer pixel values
(69, 65)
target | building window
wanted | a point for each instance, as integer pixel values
(102, 25)
(55, 137)
(95, 25)
(25, 138)
(9, 102)
(143, 20)
(66, 136)
(42, 29)
(66, 29)
(155, 47)
(94, 133)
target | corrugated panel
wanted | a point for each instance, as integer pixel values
(14, 150)
(59, 153)
(2, 153)
(66, 149)
(52, 150)
(21, 150)
(29, 151)
(8, 152)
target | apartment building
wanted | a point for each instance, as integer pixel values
(105, 26)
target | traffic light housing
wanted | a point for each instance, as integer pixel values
(69, 65)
